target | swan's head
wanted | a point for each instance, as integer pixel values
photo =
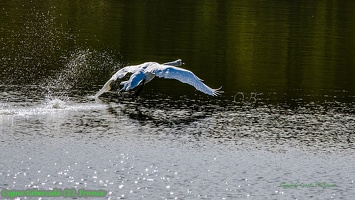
(177, 62)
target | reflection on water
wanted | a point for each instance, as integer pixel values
(287, 114)
(258, 46)
(158, 148)
(273, 127)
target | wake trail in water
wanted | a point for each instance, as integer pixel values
(63, 91)
(77, 74)
(60, 76)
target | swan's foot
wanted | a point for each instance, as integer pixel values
(138, 92)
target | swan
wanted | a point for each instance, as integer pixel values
(143, 73)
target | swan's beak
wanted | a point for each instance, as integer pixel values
(180, 62)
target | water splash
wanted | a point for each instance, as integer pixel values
(60, 86)
(36, 45)
(56, 104)
(80, 71)
(38, 70)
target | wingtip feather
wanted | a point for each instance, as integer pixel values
(217, 92)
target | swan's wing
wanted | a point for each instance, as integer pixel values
(184, 76)
(119, 74)
(105, 88)
(133, 81)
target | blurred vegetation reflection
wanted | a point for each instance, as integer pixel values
(302, 49)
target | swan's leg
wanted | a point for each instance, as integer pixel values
(140, 89)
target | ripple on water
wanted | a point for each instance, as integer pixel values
(52, 107)
(271, 127)
(173, 149)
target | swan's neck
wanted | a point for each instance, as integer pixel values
(174, 63)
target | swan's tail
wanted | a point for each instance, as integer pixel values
(105, 88)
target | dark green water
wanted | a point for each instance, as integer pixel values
(282, 51)
(286, 117)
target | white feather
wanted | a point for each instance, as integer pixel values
(147, 71)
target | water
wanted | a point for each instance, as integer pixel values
(283, 129)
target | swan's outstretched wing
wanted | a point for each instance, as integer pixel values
(119, 74)
(182, 75)
(133, 81)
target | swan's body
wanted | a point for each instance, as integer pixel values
(143, 73)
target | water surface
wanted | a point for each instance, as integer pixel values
(283, 129)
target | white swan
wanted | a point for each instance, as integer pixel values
(143, 73)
